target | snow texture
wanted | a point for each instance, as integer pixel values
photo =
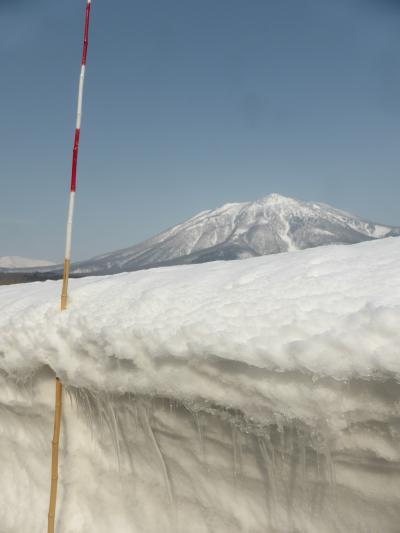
(253, 396)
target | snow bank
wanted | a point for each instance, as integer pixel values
(257, 395)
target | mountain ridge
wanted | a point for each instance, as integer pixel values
(271, 224)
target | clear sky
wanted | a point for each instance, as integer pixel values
(191, 104)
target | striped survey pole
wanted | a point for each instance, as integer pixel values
(68, 240)
(64, 291)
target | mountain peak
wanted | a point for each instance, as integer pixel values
(275, 198)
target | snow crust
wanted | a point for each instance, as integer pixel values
(255, 395)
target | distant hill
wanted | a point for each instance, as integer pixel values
(14, 261)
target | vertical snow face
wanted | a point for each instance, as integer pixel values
(144, 465)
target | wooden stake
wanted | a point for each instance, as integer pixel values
(54, 457)
(64, 292)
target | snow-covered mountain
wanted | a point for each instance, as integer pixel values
(269, 225)
(14, 261)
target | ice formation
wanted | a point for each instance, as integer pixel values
(260, 395)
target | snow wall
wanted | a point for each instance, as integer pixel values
(260, 395)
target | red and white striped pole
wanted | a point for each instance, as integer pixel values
(64, 292)
(68, 240)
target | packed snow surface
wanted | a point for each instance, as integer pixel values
(248, 396)
(327, 312)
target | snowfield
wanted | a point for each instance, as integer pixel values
(260, 395)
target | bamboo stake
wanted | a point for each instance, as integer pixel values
(54, 457)
(64, 292)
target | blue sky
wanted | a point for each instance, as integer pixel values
(189, 105)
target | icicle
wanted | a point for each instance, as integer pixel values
(200, 434)
(237, 467)
(147, 426)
